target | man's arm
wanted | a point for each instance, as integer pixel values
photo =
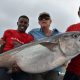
(2, 42)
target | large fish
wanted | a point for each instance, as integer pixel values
(43, 55)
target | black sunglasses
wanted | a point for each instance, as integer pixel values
(41, 18)
(44, 16)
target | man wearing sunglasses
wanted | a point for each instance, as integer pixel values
(44, 21)
(44, 31)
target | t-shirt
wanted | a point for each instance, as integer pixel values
(39, 34)
(12, 36)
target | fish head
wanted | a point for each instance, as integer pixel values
(69, 43)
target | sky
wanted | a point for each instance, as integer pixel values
(63, 13)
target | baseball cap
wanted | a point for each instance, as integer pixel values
(44, 15)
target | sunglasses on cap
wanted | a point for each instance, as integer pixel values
(41, 17)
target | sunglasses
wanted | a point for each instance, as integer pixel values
(44, 16)
(41, 18)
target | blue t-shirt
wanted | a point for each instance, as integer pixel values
(39, 34)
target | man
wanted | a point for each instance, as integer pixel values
(13, 39)
(44, 21)
(73, 68)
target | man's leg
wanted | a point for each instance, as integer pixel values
(21, 76)
(37, 76)
(70, 76)
(50, 75)
(4, 75)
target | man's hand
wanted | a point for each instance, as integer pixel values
(15, 68)
(16, 42)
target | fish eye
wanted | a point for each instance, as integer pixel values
(75, 35)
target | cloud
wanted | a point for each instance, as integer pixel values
(63, 12)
